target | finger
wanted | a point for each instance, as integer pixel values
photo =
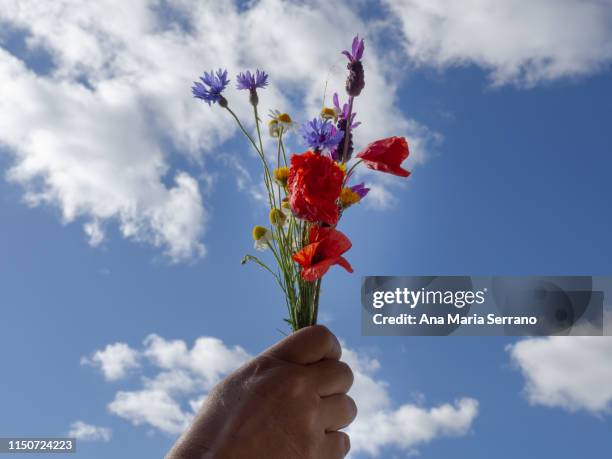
(337, 412)
(332, 377)
(308, 345)
(335, 445)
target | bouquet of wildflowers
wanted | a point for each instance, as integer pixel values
(307, 192)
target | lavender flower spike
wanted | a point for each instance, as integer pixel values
(355, 80)
(211, 87)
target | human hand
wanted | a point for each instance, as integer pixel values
(288, 402)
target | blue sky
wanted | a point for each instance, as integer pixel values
(513, 153)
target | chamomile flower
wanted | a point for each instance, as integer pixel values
(278, 121)
(263, 237)
(329, 113)
(277, 217)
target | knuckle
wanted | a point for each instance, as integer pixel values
(341, 443)
(321, 332)
(351, 407)
(346, 372)
(345, 442)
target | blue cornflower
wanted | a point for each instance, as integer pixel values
(211, 87)
(252, 81)
(319, 134)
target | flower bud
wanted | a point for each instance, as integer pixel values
(253, 98)
(277, 217)
(281, 175)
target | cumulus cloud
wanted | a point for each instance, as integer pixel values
(518, 41)
(179, 377)
(95, 134)
(115, 360)
(154, 407)
(380, 423)
(87, 432)
(569, 372)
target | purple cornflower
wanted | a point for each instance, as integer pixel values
(356, 52)
(319, 134)
(252, 81)
(360, 189)
(211, 87)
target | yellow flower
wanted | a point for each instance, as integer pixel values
(342, 167)
(277, 217)
(328, 113)
(348, 197)
(281, 175)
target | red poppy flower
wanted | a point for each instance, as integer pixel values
(386, 155)
(314, 185)
(325, 250)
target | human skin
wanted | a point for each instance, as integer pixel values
(288, 402)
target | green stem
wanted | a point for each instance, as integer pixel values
(348, 173)
(244, 131)
(267, 175)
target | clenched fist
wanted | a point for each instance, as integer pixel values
(289, 402)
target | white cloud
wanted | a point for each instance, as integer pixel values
(517, 41)
(95, 232)
(87, 432)
(153, 407)
(380, 424)
(180, 372)
(181, 377)
(96, 136)
(569, 372)
(209, 359)
(115, 360)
